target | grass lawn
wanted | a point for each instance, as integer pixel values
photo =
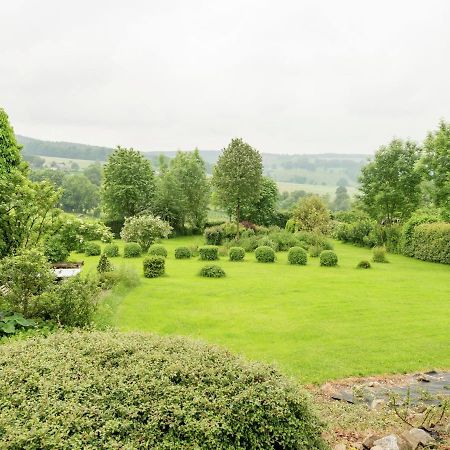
(313, 322)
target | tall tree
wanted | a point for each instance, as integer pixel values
(10, 158)
(311, 214)
(94, 173)
(237, 177)
(389, 184)
(341, 200)
(79, 194)
(263, 210)
(436, 162)
(128, 185)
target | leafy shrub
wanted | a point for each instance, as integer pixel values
(283, 240)
(363, 265)
(12, 323)
(265, 241)
(145, 230)
(154, 266)
(315, 251)
(209, 252)
(265, 254)
(158, 250)
(182, 253)
(111, 250)
(431, 242)
(407, 247)
(236, 253)
(212, 271)
(92, 249)
(55, 250)
(104, 265)
(312, 214)
(328, 258)
(379, 255)
(356, 233)
(179, 394)
(297, 255)
(132, 250)
(214, 235)
(291, 226)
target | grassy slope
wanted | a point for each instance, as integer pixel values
(316, 323)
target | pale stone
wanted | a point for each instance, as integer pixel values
(417, 437)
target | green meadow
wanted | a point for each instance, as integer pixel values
(313, 322)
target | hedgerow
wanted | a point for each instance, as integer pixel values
(431, 242)
(92, 390)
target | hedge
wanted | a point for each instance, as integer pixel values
(431, 242)
(265, 254)
(182, 253)
(132, 250)
(236, 253)
(158, 250)
(212, 271)
(140, 391)
(209, 252)
(154, 266)
(297, 255)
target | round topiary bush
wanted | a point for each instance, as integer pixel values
(297, 255)
(132, 250)
(363, 265)
(328, 258)
(236, 254)
(379, 255)
(158, 250)
(209, 252)
(154, 266)
(111, 250)
(212, 271)
(182, 253)
(120, 390)
(265, 254)
(92, 249)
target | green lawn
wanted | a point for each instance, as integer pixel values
(315, 323)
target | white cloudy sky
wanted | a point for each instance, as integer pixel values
(290, 76)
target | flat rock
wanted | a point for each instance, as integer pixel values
(417, 437)
(392, 442)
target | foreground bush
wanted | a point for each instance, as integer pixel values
(379, 255)
(154, 266)
(158, 250)
(328, 258)
(297, 255)
(209, 252)
(92, 249)
(363, 265)
(132, 250)
(431, 242)
(111, 250)
(236, 254)
(265, 254)
(55, 250)
(182, 253)
(212, 271)
(139, 391)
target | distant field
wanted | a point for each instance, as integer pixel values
(81, 162)
(314, 188)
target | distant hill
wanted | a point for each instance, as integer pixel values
(329, 169)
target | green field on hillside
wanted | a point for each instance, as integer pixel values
(315, 323)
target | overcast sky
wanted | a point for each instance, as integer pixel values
(287, 76)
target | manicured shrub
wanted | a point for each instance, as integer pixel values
(379, 255)
(92, 249)
(209, 252)
(154, 266)
(105, 390)
(407, 247)
(297, 255)
(158, 250)
(212, 271)
(214, 235)
(104, 265)
(55, 250)
(431, 242)
(328, 258)
(182, 253)
(111, 250)
(363, 265)
(132, 250)
(236, 253)
(265, 254)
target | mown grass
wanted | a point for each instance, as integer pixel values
(315, 323)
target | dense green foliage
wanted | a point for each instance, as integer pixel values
(9, 148)
(154, 266)
(158, 250)
(265, 254)
(379, 255)
(214, 235)
(209, 252)
(13, 323)
(431, 242)
(92, 249)
(79, 195)
(212, 271)
(328, 258)
(297, 255)
(111, 250)
(364, 264)
(179, 394)
(236, 254)
(342, 200)
(55, 249)
(104, 265)
(132, 250)
(311, 214)
(182, 253)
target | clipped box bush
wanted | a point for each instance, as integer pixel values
(111, 250)
(106, 390)
(265, 254)
(379, 255)
(209, 252)
(154, 266)
(212, 271)
(214, 235)
(92, 249)
(236, 254)
(158, 250)
(297, 255)
(328, 258)
(182, 253)
(363, 265)
(431, 242)
(132, 250)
